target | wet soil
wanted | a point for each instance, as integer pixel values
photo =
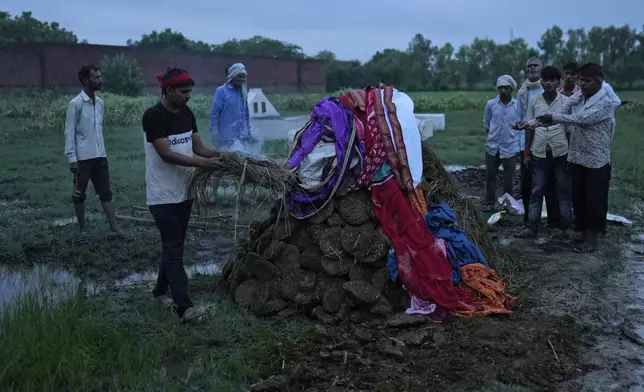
(575, 327)
(578, 324)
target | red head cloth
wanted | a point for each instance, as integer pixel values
(181, 79)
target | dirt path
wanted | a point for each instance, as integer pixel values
(615, 360)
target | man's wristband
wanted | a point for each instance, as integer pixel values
(527, 153)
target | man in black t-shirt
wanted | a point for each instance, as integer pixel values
(173, 148)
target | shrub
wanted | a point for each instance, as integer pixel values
(46, 110)
(122, 75)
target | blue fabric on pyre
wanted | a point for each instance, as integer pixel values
(441, 221)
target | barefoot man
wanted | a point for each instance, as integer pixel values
(85, 149)
(549, 153)
(173, 146)
(590, 116)
(530, 89)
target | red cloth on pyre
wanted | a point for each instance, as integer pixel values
(422, 267)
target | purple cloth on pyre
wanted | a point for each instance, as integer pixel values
(328, 112)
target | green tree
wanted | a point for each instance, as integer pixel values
(260, 46)
(389, 66)
(325, 55)
(551, 44)
(169, 40)
(26, 28)
(122, 75)
(420, 63)
(445, 69)
(576, 46)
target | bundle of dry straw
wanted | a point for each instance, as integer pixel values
(266, 174)
(440, 186)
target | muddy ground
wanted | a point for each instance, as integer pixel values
(574, 328)
(578, 324)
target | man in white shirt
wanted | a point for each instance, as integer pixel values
(546, 155)
(85, 149)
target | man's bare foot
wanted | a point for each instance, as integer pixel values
(525, 233)
(82, 238)
(570, 234)
(585, 248)
(115, 234)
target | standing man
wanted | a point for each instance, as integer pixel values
(570, 85)
(230, 117)
(502, 143)
(172, 147)
(549, 154)
(570, 80)
(530, 89)
(85, 149)
(591, 119)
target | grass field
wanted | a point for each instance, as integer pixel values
(123, 342)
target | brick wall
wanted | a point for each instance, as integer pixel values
(40, 66)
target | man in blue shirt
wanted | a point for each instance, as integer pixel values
(502, 143)
(230, 118)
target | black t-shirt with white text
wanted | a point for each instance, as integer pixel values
(167, 183)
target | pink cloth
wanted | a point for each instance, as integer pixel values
(418, 306)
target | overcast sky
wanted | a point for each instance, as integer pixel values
(353, 29)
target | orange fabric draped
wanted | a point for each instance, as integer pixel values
(487, 291)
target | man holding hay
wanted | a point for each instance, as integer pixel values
(85, 149)
(502, 143)
(172, 147)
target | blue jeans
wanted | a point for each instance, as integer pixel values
(543, 171)
(172, 221)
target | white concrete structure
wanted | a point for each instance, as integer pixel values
(426, 128)
(259, 106)
(437, 119)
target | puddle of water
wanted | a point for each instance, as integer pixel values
(65, 221)
(458, 168)
(506, 241)
(639, 330)
(54, 284)
(72, 220)
(150, 276)
(58, 284)
(541, 240)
